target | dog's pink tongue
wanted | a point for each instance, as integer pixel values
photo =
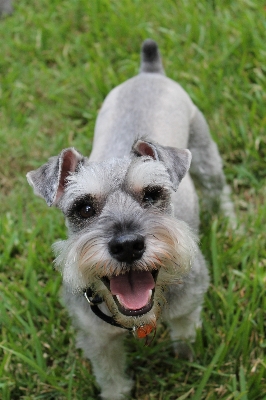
(133, 288)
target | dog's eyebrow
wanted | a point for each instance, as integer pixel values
(142, 174)
(98, 179)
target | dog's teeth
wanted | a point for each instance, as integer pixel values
(150, 294)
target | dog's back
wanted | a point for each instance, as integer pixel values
(149, 105)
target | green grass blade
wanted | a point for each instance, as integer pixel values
(35, 367)
(208, 372)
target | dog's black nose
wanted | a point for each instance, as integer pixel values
(127, 248)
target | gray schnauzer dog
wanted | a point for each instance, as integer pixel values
(131, 257)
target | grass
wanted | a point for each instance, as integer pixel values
(59, 59)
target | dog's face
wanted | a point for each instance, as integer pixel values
(124, 242)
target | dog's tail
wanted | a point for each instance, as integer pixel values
(150, 58)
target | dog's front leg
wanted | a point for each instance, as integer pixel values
(183, 333)
(104, 347)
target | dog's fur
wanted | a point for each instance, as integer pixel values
(5, 7)
(132, 213)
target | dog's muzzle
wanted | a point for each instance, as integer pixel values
(132, 290)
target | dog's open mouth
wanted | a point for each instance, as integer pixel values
(133, 291)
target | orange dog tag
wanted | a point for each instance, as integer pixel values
(144, 330)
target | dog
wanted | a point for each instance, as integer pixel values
(132, 256)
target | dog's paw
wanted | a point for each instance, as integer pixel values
(183, 351)
(113, 392)
(227, 207)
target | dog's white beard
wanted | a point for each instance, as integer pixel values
(84, 259)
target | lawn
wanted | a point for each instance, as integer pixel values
(58, 61)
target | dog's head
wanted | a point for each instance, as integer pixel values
(124, 242)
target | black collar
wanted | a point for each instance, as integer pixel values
(94, 301)
(140, 332)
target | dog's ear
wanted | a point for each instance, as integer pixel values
(49, 180)
(176, 161)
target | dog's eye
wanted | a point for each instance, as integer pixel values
(151, 195)
(86, 211)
